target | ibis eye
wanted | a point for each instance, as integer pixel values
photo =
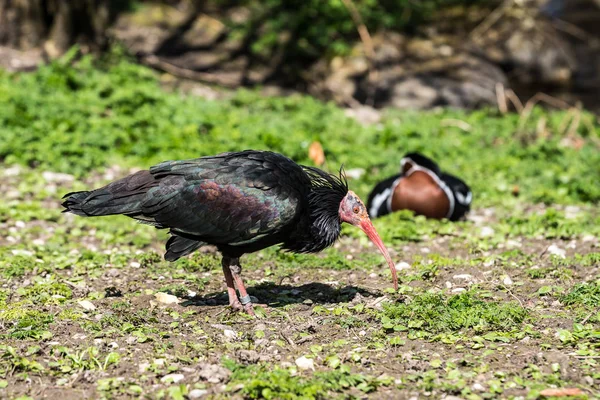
(356, 210)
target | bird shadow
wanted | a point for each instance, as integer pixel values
(274, 295)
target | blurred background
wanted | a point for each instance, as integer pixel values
(363, 54)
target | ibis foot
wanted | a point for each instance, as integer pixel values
(236, 305)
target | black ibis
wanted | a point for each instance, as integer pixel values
(240, 202)
(422, 188)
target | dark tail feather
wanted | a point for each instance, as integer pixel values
(73, 202)
(178, 247)
(124, 196)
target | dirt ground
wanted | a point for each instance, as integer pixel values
(325, 331)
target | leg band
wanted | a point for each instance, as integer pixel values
(245, 299)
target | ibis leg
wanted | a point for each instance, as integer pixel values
(233, 299)
(236, 269)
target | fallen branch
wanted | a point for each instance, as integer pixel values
(155, 62)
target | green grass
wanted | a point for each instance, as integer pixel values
(435, 314)
(334, 307)
(261, 382)
(74, 117)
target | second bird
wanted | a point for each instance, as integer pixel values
(240, 202)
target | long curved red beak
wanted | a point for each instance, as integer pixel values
(367, 227)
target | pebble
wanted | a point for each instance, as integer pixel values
(113, 345)
(20, 224)
(486, 231)
(87, 305)
(12, 171)
(166, 298)
(372, 275)
(174, 378)
(143, 367)
(305, 363)
(57, 177)
(131, 339)
(425, 250)
(511, 243)
(448, 285)
(197, 393)
(230, 334)
(20, 252)
(507, 281)
(463, 277)
(402, 265)
(478, 387)
(135, 264)
(589, 238)
(557, 251)
(458, 290)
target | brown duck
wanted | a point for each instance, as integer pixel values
(422, 188)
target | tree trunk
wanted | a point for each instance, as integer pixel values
(56, 25)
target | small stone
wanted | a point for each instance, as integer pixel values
(372, 275)
(402, 265)
(463, 277)
(478, 387)
(57, 177)
(135, 264)
(486, 231)
(197, 393)
(131, 339)
(511, 243)
(143, 367)
(458, 290)
(20, 224)
(12, 171)
(230, 334)
(172, 378)
(285, 364)
(425, 250)
(362, 333)
(159, 361)
(308, 302)
(589, 380)
(588, 238)
(20, 252)
(213, 373)
(166, 298)
(507, 281)
(113, 273)
(191, 294)
(448, 285)
(557, 251)
(87, 305)
(113, 345)
(305, 363)
(79, 336)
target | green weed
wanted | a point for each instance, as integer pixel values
(435, 314)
